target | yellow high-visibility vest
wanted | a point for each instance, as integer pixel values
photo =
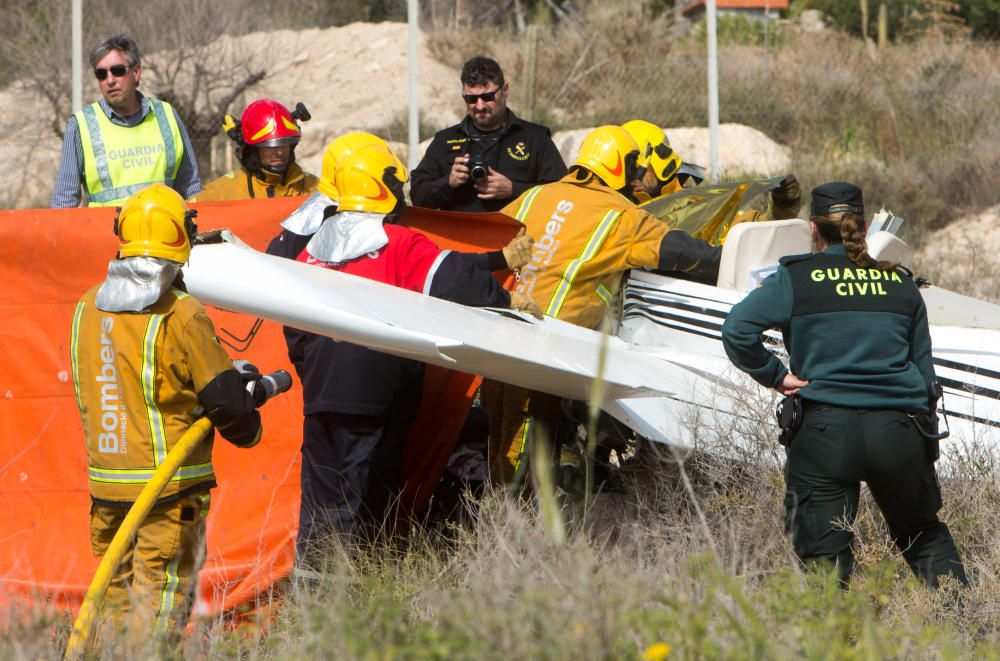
(120, 160)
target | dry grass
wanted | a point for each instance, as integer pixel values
(691, 554)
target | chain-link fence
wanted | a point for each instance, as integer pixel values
(916, 123)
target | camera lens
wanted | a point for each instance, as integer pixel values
(477, 171)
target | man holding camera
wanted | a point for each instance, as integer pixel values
(491, 156)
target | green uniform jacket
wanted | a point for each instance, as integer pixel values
(858, 335)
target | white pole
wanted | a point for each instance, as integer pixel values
(713, 90)
(77, 46)
(414, 118)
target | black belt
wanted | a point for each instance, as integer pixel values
(810, 405)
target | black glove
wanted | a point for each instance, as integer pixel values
(262, 387)
(248, 371)
(208, 238)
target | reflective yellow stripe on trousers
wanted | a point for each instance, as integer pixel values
(168, 596)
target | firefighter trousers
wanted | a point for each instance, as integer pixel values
(152, 589)
(518, 416)
(350, 482)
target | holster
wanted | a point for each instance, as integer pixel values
(789, 414)
(928, 424)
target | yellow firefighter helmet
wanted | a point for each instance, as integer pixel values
(370, 179)
(155, 222)
(339, 149)
(654, 149)
(610, 153)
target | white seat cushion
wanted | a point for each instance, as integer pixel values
(885, 246)
(753, 249)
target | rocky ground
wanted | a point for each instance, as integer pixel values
(962, 256)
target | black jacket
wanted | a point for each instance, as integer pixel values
(339, 377)
(522, 151)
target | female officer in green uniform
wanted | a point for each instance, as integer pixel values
(860, 357)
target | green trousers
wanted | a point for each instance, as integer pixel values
(830, 455)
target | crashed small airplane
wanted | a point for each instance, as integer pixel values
(681, 322)
(665, 360)
(663, 364)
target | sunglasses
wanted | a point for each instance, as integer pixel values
(471, 99)
(116, 70)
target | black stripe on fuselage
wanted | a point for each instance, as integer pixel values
(633, 308)
(646, 315)
(969, 388)
(973, 418)
(965, 367)
(675, 304)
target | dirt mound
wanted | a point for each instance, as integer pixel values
(351, 78)
(743, 150)
(960, 256)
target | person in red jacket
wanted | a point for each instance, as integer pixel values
(358, 403)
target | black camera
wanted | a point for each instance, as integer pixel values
(479, 151)
(477, 169)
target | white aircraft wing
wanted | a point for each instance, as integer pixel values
(512, 347)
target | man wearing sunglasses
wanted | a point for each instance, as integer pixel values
(125, 141)
(491, 156)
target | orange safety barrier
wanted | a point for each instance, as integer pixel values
(48, 259)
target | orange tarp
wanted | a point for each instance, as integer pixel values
(48, 259)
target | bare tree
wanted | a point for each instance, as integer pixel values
(188, 62)
(195, 65)
(32, 44)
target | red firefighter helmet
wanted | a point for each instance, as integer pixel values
(267, 123)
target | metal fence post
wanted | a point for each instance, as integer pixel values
(530, 67)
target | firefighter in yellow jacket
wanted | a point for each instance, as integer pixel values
(587, 234)
(265, 137)
(146, 363)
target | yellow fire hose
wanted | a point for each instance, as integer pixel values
(123, 538)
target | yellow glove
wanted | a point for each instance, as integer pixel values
(520, 301)
(517, 253)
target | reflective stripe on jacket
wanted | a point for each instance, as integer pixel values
(586, 236)
(120, 160)
(137, 378)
